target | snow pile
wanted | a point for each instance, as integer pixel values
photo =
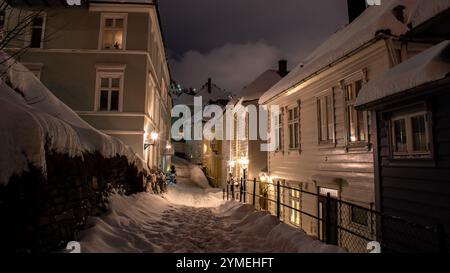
(35, 121)
(150, 223)
(188, 173)
(428, 66)
(361, 31)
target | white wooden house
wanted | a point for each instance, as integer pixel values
(325, 145)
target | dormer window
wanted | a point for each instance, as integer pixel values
(113, 31)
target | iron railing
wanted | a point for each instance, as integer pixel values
(336, 221)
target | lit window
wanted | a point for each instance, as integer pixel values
(356, 120)
(113, 31)
(411, 135)
(109, 91)
(294, 126)
(295, 207)
(37, 32)
(326, 118)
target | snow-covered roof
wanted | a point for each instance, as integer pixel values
(361, 31)
(260, 85)
(37, 121)
(428, 66)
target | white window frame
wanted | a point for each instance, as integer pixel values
(279, 132)
(28, 32)
(103, 18)
(111, 72)
(331, 135)
(352, 81)
(409, 135)
(291, 124)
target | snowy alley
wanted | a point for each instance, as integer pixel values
(191, 217)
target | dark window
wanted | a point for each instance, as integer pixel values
(104, 100)
(359, 216)
(114, 101)
(37, 28)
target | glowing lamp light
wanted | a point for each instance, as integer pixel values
(243, 162)
(168, 146)
(232, 163)
(154, 136)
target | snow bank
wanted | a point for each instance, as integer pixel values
(37, 121)
(189, 173)
(428, 66)
(359, 32)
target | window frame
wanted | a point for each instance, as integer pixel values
(356, 223)
(112, 72)
(410, 153)
(280, 132)
(114, 16)
(29, 32)
(292, 122)
(331, 138)
(352, 80)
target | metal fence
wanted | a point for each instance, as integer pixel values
(338, 222)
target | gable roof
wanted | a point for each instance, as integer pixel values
(373, 21)
(260, 85)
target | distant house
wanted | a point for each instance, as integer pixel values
(325, 144)
(195, 150)
(410, 105)
(106, 60)
(246, 148)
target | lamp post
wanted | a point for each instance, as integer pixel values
(243, 163)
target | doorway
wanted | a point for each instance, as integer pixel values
(328, 232)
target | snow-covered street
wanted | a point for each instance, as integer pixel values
(191, 217)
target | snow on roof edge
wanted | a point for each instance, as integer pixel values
(356, 35)
(431, 65)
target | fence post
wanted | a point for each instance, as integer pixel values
(328, 219)
(254, 192)
(232, 189)
(228, 191)
(441, 239)
(240, 191)
(278, 201)
(245, 191)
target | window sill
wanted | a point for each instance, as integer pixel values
(358, 147)
(327, 145)
(411, 162)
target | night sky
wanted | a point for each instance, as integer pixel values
(233, 41)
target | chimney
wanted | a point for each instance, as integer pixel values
(282, 68)
(355, 8)
(209, 85)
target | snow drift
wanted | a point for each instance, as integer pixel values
(33, 121)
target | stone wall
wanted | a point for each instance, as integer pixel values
(41, 214)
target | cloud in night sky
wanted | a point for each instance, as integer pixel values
(232, 41)
(231, 66)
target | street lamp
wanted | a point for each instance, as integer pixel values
(243, 163)
(150, 141)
